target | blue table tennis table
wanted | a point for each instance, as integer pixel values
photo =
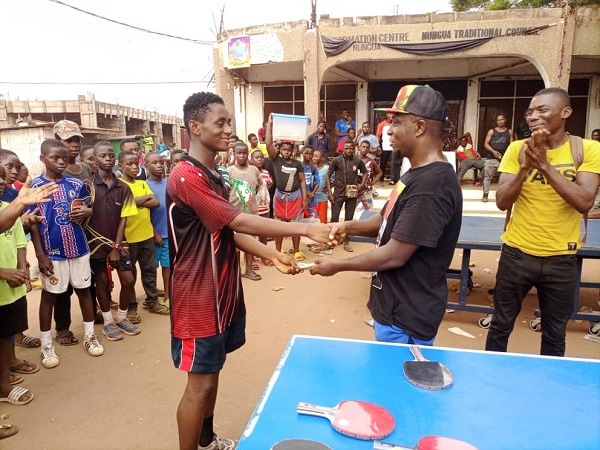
(483, 233)
(497, 401)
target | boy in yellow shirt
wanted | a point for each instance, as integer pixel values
(140, 237)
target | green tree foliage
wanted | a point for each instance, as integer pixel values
(491, 5)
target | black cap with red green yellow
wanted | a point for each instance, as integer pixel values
(422, 101)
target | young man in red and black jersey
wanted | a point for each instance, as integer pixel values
(208, 314)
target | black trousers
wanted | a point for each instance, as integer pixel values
(336, 208)
(143, 254)
(555, 278)
(383, 159)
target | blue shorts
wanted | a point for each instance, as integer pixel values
(391, 333)
(161, 254)
(207, 355)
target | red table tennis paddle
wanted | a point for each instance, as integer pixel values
(427, 374)
(428, 443)
(353, 418)
(300, 444)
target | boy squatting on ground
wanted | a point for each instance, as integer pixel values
(106, 233)
(139, 234)
(155, 168)
(245, 181)
(61, 248)
(208, 314)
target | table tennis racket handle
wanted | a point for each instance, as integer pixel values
(380, 445)
(314, 410)
(416, 351)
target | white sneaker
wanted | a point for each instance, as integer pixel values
(219, 443)
(93, 346)
(49, 357)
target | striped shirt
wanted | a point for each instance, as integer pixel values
(206, 288)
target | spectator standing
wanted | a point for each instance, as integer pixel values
(346, 185)
(548, 184)
(366, 135)
(343, 124)
(320, 140)
(386, 145)
(497, 141)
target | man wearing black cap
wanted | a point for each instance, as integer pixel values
(416, 231)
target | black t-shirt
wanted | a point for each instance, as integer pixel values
(425, 208)
(286, 174)
(346, 171)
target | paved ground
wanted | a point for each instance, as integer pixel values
(127, 398)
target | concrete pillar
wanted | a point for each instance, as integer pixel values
(362, 105)
(593, 119)
(472, 109)
(224, 84)
(560, 72)
(312, 82)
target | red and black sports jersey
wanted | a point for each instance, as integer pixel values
(206, 287)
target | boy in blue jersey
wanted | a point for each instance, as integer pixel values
(311, 174)
(61, 248)
(155, 166)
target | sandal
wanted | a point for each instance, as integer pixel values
(134, 317)
(159, 309)
(8, 430)
(19, 368)
(13, 378)
(298, 256)
(15, 394)
(29, 342)
(252, 276)
(66, 338)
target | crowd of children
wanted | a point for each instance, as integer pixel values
(100, 216)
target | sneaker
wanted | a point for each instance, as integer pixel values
(112, 332)
(49, 357)
(92, 345)
(219, 443)
(485, 198)
(128, 328)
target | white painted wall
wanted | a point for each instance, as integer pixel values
(593, 119)
(254, 108)
(472, 109)
(362, 105)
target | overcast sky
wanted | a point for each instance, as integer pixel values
(47, 42)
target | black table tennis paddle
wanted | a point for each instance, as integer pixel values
(426, 374)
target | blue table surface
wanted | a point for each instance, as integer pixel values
(497, 401)
(479, 230)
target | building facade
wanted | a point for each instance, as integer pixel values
(25, 124)
(484, 63)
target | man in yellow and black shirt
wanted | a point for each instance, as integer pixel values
(548, 191)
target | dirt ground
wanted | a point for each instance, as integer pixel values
(127, 398)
